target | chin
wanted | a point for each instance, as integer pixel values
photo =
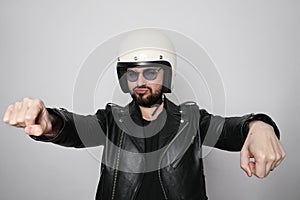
(147, 100)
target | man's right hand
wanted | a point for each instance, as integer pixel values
(30, 114)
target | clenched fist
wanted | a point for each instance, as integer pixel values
(32, 115)
(262, 145)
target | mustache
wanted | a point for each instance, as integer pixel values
(142, 87)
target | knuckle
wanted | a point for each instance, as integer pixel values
(283, 155)
(5, 120)
(26, 99)
(272, 158)
(28, 117)
(17, 104)
(262, 157)
(19, 119)
(7, 113)
(278, 157)
(10, 107)
(38, 102)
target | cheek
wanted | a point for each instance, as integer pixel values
(158, 82)
(130, 86)
(156, 86)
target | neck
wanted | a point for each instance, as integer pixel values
(151, 113)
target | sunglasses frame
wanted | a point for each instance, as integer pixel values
(143, 73)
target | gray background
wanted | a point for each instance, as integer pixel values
(254, 45)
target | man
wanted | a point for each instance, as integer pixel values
(152, 146)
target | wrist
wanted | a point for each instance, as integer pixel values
(56, 124)
(253, 118)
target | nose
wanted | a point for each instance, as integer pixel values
(141, 80)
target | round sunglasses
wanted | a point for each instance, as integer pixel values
(149, 74)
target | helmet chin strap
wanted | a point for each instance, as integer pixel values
(158, 104)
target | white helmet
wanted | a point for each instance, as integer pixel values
(146, 47)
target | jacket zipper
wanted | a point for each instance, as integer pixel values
(159, 171)
(161, 185)
(175, 164)
(138, 187)
(117, 166)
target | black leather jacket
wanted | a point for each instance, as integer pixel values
(180, 167)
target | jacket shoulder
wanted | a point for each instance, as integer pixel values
(116, 109)
(189, 105)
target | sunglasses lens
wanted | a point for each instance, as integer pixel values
(150, 74)
(132, 76)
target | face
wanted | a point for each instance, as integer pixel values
(145, 84)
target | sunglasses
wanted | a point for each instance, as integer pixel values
(149, 74)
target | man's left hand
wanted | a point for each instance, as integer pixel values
(263, 146)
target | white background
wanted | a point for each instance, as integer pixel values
(255, 46)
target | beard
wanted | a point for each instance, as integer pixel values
(150, 100)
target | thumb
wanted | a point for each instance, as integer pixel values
(245, 161)
(36, 129)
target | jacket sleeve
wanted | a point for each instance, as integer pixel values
(228, 133)
(78, 131)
